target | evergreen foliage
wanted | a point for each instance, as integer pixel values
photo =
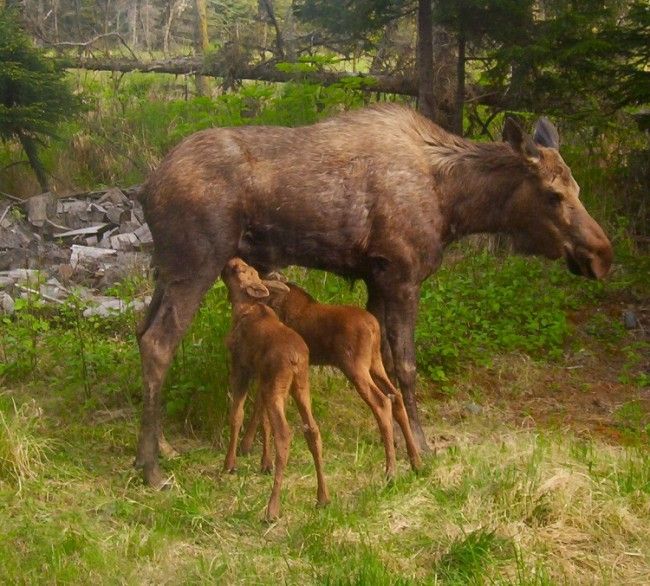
(34, 96)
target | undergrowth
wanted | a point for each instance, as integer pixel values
(477, 306)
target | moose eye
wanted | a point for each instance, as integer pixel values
(554, 197)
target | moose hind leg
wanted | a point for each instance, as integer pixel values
(238, 387)
(248, 438)
(381, 409)
(276, 402)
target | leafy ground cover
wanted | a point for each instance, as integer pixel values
(535, 397)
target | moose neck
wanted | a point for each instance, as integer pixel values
(476, 185)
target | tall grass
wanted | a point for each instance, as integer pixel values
(23, 450)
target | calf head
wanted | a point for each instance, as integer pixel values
(244, 283)
(545, 214)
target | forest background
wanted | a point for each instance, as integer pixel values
(533, 383)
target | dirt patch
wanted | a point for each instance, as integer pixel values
(596, 391)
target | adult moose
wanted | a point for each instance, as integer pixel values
(374, 194)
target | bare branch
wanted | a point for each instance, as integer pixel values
(89, 43)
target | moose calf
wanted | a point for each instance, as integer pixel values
(262, 348)
(349, 338)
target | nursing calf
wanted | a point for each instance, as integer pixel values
(263, 349)
(348, 338)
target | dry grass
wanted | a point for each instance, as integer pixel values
(22, 448)
(496, 504)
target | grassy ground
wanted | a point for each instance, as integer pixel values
(541, 473)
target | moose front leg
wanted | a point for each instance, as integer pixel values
(377, 307)
(400, 314)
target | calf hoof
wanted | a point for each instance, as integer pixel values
(266, 468)
(245, 448)
(230, 469)
(322, 502)
(416, 464)
(272, 514)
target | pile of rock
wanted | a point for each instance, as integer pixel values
(91, 240)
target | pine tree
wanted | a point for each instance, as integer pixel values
(34, 96)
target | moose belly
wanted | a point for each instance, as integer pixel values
(268, 247)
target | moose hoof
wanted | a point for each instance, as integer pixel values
(154, 478)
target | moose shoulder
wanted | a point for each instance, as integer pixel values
(374, 194)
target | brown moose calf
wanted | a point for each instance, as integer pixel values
(262, 348)
(348, 338)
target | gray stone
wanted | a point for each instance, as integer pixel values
(81, 254)
(37, 208)
(144, 235)
(630, 319)
(114, 196)
(113, 214)
(6, 303)
(473, 408)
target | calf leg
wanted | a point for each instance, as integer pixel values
(239, 380)
(380, 377)
(300, 392)
(266, 463)
(170, 313)
(381, 409)
(248, 438)
(275, 399)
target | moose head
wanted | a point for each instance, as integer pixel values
(545, 214)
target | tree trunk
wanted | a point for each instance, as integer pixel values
(426, 101)
(267, 5)
(31, 150)
(389, 84)
(201, 42)
(460, 82)
(133, 22)
(444, 80)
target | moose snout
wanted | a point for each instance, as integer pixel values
(591, 255)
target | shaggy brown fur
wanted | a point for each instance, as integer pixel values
(374, 194)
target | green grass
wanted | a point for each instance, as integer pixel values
(497, 505)
(501, 502)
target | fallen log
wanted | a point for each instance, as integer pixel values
(264, 72)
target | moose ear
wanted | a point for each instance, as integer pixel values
(546, 134)
(519, 140)
(256, 290)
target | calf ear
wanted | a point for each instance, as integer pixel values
(546, 134)
(256, 290)
(276, 276)
(519, 140)
(277, 290)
